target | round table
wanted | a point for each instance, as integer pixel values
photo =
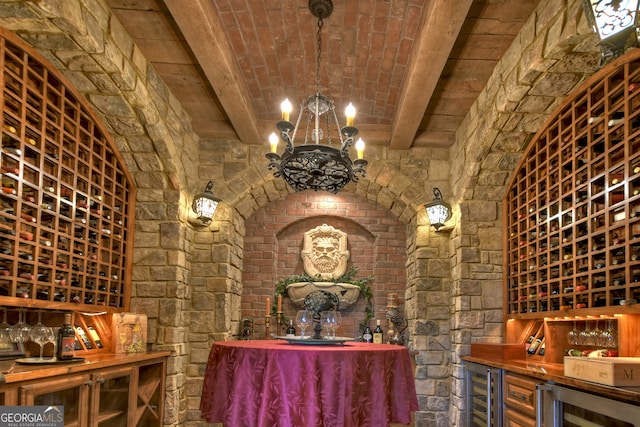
(267, 383)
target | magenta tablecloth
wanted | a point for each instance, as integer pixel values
(272, 383)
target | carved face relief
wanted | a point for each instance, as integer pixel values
(325, 252)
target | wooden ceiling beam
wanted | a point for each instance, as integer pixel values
(438, 32)
(204, 33)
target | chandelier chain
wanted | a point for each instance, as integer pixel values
(320, 24)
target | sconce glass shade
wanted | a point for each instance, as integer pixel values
(614, 21)
(205, 204)
(438, 211)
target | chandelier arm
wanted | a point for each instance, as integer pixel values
(286, 138)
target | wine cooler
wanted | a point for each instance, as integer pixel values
(484, 395)
(565, 407)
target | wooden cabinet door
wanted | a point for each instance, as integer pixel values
(70, 392)
(111, 396)
(149, 395)
(516, 419)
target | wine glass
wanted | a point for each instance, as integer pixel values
(574, 335)
(326, 318)
(5, 338)
(585, 335)
(40, 334)
(53, 339)
(611, 338)
(336, 322)
(303, 320)
(19, 332)
(594, 335)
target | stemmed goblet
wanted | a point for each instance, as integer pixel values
(53, 339)
(5, 338)
(574, 335)
(303, 320)
(594, 335)
(585, 335)
(326, 320)
(40, 334)
(336, 322)
(610, 337)
(19, 332)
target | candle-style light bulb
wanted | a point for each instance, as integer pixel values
(360, 148)
(273, 141)
(286, 108)
(350, 112)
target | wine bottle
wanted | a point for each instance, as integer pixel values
(616, 118)
(377, 333)
(95, 336)
(542, 349)
(367, 335)
(84, 338)
(291, 331)
(66, 339)
(534, 346)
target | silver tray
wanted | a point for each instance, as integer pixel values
(312, 341)
(47, 361)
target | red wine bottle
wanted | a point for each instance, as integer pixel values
(66, 339)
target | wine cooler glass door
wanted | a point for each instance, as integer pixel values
(483, 389)
(567, 407)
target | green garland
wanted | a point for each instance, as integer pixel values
(348, 277)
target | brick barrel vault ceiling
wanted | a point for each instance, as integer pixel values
(413, 68)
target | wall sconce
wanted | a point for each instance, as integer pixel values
(205, 204)
(614, 21)
(438, 211)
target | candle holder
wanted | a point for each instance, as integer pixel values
(267, 321)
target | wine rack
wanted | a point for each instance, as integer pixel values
(572, 209)
(67, 199)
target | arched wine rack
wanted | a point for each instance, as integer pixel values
(572, 209)
(67, 199)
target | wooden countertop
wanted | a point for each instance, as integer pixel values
(15, 372)
(554, 373)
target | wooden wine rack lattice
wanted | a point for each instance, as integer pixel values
(67, 198)
(572, 209)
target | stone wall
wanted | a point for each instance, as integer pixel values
(553, 54)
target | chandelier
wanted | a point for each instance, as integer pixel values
(317, 164)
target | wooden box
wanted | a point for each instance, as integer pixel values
(498, 351)
(615, 371)
(129, 332)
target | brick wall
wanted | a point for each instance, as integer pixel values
(274, 237)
